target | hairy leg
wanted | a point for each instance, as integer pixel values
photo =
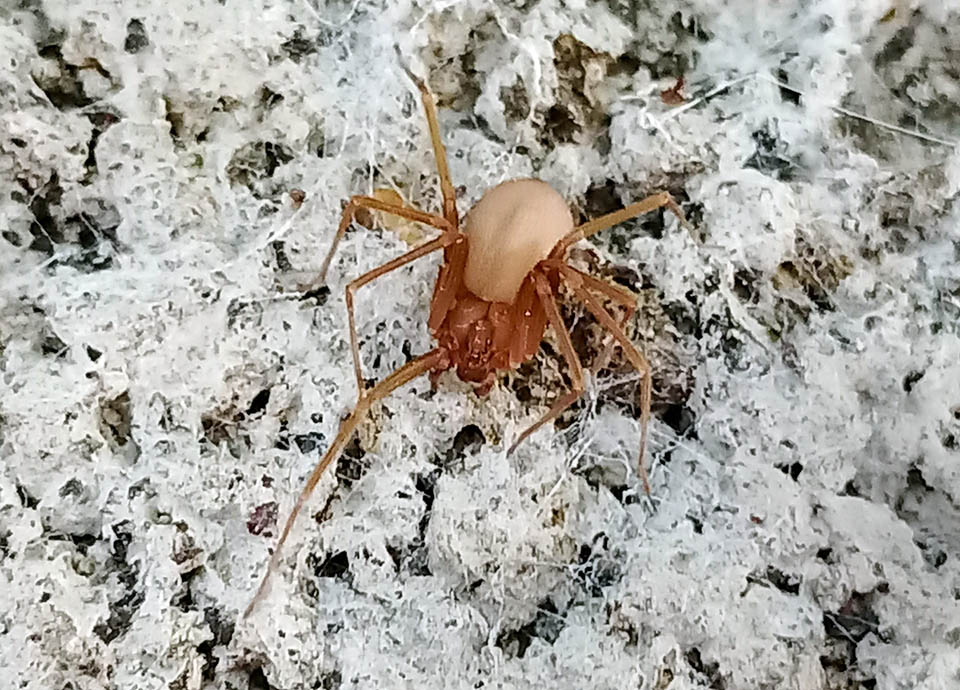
(549, 302)
(403, 375)
(592, 227)
(575, 280)
(439, 151)
(346, 218)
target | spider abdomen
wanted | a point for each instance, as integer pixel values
(514, 226)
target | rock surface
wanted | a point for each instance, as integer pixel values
(170, 172)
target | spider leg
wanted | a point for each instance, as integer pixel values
(615, 293)
(445, 240)
(439, 151)
(549, 302)
(403, 375)
(604, 359)
(577, 282)
(448, 280)
(591, 227)
(370, 202)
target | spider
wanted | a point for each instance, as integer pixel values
(495, 294)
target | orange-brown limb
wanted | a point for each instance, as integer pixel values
(357, 202)
(621, 295)
(442, 242)
(448, 282)
(439, 151)
(577, 384)
(403, 375)
(578, 283)
(592, 227)
(603, 359)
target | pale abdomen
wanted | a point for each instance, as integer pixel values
(512, 228)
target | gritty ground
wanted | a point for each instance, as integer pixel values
(171, 172)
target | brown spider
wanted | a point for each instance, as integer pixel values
(495, 293)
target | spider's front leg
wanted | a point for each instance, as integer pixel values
(439, 152)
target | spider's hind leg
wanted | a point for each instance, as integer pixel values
(408, 372)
